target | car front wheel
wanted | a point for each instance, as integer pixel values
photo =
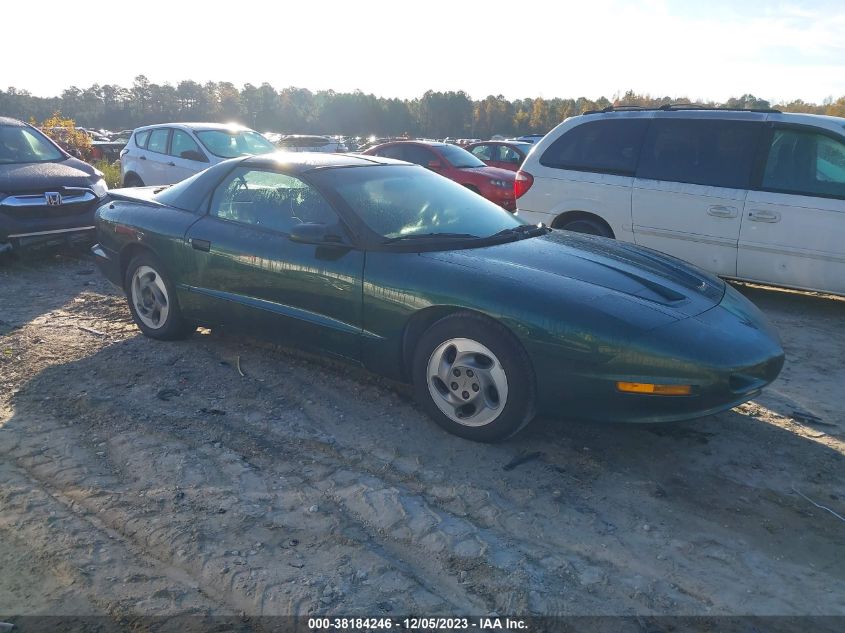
(473, 378)
(152, 300)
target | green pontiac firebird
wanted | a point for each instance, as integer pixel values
(419, 279)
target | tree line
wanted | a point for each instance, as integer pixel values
(298, 110)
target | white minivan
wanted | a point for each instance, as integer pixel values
(751, 195)
(167, 153)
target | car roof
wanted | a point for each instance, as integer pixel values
(5, 120)
(832, 123)
(193, 125)
(504, 142)
(299, 162)
(417, 142)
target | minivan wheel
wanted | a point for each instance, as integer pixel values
(473, 378)
(133, 180)
(585, 225)
(152, 300)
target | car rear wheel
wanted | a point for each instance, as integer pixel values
(586, 225)
(473, 378)
(152, 300)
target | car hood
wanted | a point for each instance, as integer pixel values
(38, 177)
(609, 266)
(491, 172)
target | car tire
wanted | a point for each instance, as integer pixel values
(473, 378)
(586, 225)
(152, 300)
(133, 180)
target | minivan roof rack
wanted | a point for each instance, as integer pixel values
(697, 106)
(672, 107)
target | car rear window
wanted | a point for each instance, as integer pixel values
(606, 145)
(712, 152)
(141, 138)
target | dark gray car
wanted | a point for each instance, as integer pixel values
(46, 195)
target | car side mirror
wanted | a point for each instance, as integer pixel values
(435, 165)
(313, 233)
(192, 154)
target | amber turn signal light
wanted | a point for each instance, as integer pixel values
(657, 390)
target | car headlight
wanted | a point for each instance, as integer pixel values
(100, 188)
(502, 184)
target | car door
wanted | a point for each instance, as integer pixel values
(690, 188)
(249, 275)
(156, 165)
(793, 228)
(186, 157)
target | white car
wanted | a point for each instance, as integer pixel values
(165, 154)
(750, 195)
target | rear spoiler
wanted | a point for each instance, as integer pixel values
(135, 194)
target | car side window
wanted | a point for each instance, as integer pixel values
(141, 138)
(183, 146)
(484, 152)
(418, 155)
(712, 152)
(805, 162)
(607, 145)
(508, 155)
(393, 151)
(270, 200)
(158, 140)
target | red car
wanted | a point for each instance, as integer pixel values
(505, 154)
(456, 164)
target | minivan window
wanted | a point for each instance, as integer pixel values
(606, 145)
(158, 140)
(713, 152)
(141, 138)
(805, 162)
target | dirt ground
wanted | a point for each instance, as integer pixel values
(139, 477)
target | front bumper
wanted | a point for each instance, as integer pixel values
(26, 226)
(728, 354)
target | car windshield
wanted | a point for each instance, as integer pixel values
(20, 144)
(459, 157)
(233, 143)
(399, 202)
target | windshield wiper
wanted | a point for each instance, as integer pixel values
(431, 236)
(522, 229)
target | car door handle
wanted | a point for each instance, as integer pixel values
(142, 157)
(171, 164)
(763, 216)
(201, 245)
(722, 211)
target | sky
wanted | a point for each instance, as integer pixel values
(523, 48)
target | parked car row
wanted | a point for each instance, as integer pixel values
(491, 318)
